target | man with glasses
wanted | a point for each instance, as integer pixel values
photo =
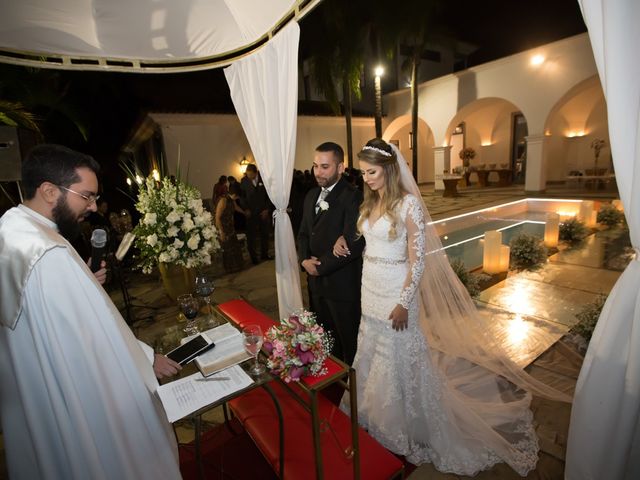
(77, 390)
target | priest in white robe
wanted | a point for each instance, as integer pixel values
(77, 391)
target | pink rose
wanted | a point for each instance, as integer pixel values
(305, 356)
(296, 373)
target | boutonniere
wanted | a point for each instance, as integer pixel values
(324, 205)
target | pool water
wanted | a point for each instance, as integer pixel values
(466, 246)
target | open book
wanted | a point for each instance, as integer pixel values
(228, 351)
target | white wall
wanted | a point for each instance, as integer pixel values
(533, 90)
(213, 144)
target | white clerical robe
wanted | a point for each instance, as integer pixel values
(77, 393)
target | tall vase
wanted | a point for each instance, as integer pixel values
(176, 279)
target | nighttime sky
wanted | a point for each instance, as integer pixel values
(110, 102)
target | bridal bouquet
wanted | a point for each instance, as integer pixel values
(297, 347)
(174, 226)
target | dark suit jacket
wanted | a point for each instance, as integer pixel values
(339, 278)
(254, 198)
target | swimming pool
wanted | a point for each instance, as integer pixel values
(462, 236)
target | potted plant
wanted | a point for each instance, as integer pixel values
(527, 252)
(466, 154)
(175, 232)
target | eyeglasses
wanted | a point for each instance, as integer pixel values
(89, 198)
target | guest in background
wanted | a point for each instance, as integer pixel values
(258, 209)
(231, 246)
(219, 190)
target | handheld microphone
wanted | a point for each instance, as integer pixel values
(98, 244)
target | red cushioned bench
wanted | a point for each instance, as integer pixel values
(330, 437)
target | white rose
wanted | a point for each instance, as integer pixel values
(187, 224)
(177, 243)
(150, 219)
(173, 217)
(207, 233)
(193, 242)
(172, 231)
(164, 257)
(152, 240)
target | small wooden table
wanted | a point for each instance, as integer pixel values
(450, 184)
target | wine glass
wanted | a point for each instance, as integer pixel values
(189, 307)
(252, 340)
(204, 289)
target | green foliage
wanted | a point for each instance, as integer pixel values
(471, 281)
(573, 230)
(588, 317)
(15, 114)
(609, 215)
(527, 252)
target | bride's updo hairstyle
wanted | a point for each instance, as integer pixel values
(379, 153)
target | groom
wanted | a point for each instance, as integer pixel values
(331, 210)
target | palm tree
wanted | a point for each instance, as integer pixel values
(16, 115)
(412, 30)
(338, 58)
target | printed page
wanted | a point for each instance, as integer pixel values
(187, 395)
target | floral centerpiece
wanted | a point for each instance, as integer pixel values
(466, 154)
(297, 347)
(174, 227)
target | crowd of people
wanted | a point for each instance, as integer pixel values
(77, 390)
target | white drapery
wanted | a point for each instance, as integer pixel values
(604, 434)
(264, 90)
(139, 35)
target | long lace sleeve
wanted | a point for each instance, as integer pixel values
(415, 226)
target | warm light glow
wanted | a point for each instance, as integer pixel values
(156, 175)
(138, 179)
(129, 182)
(537, 60)
(492, 261)
(486, 143)
(584, 214)
(518, 300)
(566, 215)
(444, 144)
(379, 71)
(446, 237)
(517, 330)
(552, 230)
(576, 134)
(618, 204)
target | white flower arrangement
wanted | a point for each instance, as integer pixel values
(324, 205)
(175, 227)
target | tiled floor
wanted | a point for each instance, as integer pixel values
(546, 300)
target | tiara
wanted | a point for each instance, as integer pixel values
(376, 149)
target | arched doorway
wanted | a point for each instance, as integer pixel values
(399, 132)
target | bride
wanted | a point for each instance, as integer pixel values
(432, 384)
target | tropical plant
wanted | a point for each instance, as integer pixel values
(527, 252)
(609, 215)
(588, 317)
(16, 115)
(338, 60)
(573, 230)
(470, 280)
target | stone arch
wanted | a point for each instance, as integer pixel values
(577, 118)
(488, 130)
(399, 130)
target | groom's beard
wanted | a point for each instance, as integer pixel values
(65, 219)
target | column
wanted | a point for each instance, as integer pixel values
(536, 175)
(441, 162)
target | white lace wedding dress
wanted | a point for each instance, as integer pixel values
(403, 401)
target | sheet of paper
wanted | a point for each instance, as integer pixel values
(187, 395)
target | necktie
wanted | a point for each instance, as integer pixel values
(323, 195)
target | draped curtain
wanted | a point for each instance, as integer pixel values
(264, 90)
(604, 434)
